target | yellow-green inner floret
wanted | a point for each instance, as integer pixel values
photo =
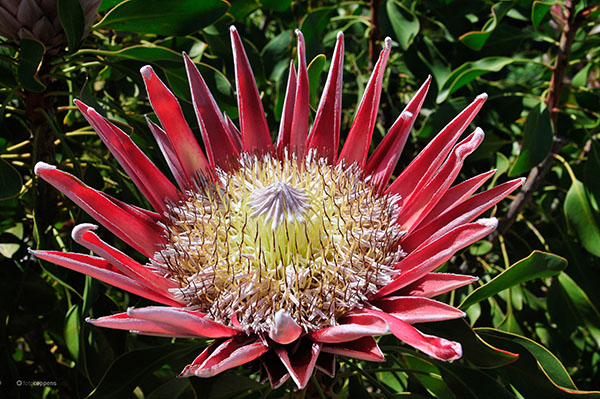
(313, 239)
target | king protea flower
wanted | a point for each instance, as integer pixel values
(289, 253)
(38, 19)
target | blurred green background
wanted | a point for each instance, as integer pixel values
(539, 62)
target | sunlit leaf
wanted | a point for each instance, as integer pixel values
(476, 39)
(315, 69)
(537, 265)
(539, 9)
(72, 330)
(143, 52)
(405, 23)
(537, 373)
(469, 71)
(580, 214)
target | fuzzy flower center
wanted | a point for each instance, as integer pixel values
(307, 237)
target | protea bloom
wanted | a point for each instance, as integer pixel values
(289, 253)
(38, 19)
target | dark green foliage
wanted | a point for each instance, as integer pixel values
(540, 309)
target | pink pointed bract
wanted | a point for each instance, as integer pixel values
(288, 253)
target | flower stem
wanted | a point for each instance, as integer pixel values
(538, 173)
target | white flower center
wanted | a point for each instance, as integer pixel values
(313, 239)
(279, 201)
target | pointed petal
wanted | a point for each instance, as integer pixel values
(382, 162)
(299, 128)
(171, 117)
(169, 154)
(231, 353)
(216, 135)
(434, 284)
(83, 235)
(363, 348)
(438, 348)
(417, 206)
(122, 321)
(457, 194)
(418, 310)
(235, 133)
(194, 322)
(359, 137)
(253, 124)
(301, 363)
(431, 256)
(146, 176)
(134, 231)
(325, 133)
(326, 363)
(284, 329)
(287, 113)
(102, 270)
(276, 371)
(424, 166)
(462, 213)
(352, 327)
(144, 215)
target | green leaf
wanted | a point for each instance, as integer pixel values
(476, 39)
(276, 5)
(539, 9)
(72, 330)
(471, 383)
(164, 17)
(469, 71)
(356, 389)
(313, 26)
(537, 265)
(10, 181)
(581, 77)
(172, 389)
(128, 369)
(142, 52)
(8, 249)
(31, 55)
(315, 69)
(72, 20)
(405, 23)
(537, 373)
(570, 307)
(230, 385)
(581, 217)
(106, 4)
(537, 140)
(592, 171)
(429, 376)
(433, 58)
(241, 8)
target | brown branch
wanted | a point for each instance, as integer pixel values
(45, 197)
(374, 33)
(538, 173)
